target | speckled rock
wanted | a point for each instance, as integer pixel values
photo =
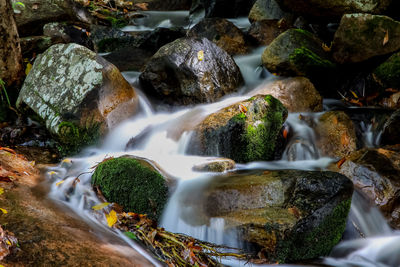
(336, 136)
(333, 9)
(283, 214)
(245, 131)
(77, 94)
(362, 36)
(297, 94)
(222, 32)
(176, 74)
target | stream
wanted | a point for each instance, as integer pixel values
(164, 138)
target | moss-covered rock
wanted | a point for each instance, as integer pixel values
(364, 36)
(245, 131)
(133, 183)
(297, 53)
(388, 73)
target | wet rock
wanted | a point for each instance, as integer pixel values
(388, 73)
(333, 9)
(376, 172)
(165, 5)
(264, 32)
(245, 131)
(227, 8)
(77, 94)
(178, 73)
(215, 165)
(36, 44)
(107, 39)
(283, 214)
(336, 136)
(391, 130)
(268, 10)
(67, 33)
(363, 36)
(129, 59)
(133, 183)
(222, 32)
(297, 53)
(297, 94)
(154, 40)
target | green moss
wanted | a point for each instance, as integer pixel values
(306, 61)
(241, 117)
(388, 73)
(132, 184)
(309, 34)
(117, 22)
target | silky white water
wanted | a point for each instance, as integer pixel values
(163, 137)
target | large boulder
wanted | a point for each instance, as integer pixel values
(265, 31)
(245, 131)
(296, 53)
(297, 94)
(191, 70)
(391, 130)
(388, 73)
(364, 36)
(133, 183)
(222, 32)
(286, 215)
(333, 9)
(336, 134)
(268, 10)
(376, 172)
(77, 94)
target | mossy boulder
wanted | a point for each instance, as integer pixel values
(287, 215)
(133, 183)
(388, 73)
(364, 36)
(78, 95)
(297, 53)
(245, 131)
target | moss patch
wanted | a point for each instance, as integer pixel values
(306, 61)
(388, 73)
(132, 184)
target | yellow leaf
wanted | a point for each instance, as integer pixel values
(8, 242)
(66, 161)
(354, 94)
(4, 211)
(200, 55)
(28, 68)
(2, 265)
(111, 218)
(386, 38)
(51, 173)
(100, 206)
(60, 182)
(326, 48)
(1, 190)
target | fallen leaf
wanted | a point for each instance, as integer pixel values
(386, 38)
(1, 190)
(200, 55)
(344, 139)
(285, 133)
(294, 211)
(101, 206)
(111, 218)
(66, 161)
(335, 121)
(340, 162)
(326, 48)
(28, 68)
(242, 108)
(354, 94)
(60, 182)
(5, 179)
(4, 211)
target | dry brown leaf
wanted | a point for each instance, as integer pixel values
(386, 38)
(344, 139)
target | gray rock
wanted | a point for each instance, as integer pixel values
(268, 10)
(177, 74)
(77, 94)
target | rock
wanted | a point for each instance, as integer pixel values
(68, 33)
(37, 13)
(334, 9)
(78, 95)
(129, 59)
(297, 94)
(178, 73)
(133, 183)
(222, 32)
(268, 10)
(388, 73)
(165, 5)
(336, 136)
(227, 8)
(108, 39)
(215, 165)
(36, 44)
(265, 31)
(363, 36)
(154, 40)
(297, 53)
(376, 172)
(283, 214)
(391, 131)
(242, 136)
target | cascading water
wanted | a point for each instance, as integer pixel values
(164, 136)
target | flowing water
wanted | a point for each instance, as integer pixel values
(164, 137)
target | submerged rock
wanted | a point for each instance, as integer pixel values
(222, 32)
(297, 94)
(363, 36)
(388, 73)
(287, 215)
(133, 183)
(245, 131)
(191, 70)
(332, 9)
(376, 172)
(215, 165)
(77, 94)
(336, 134)
(297, 53)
